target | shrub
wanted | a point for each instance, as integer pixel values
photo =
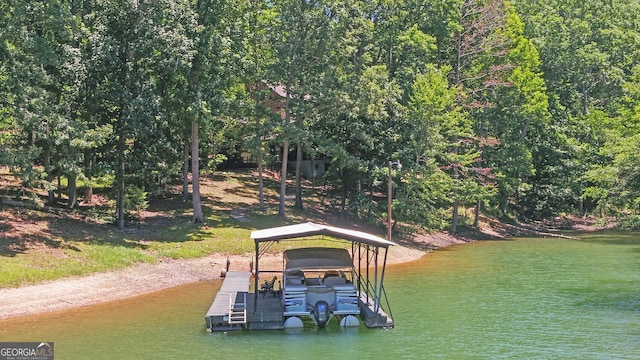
(631, 222)
(135, 199)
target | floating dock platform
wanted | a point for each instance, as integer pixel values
(234, 308)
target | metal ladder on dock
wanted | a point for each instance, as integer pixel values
(237, 311)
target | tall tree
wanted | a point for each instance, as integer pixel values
(133, 42)
(517, 109)
(260, 56)
(42, 81)
(300, 48)
(587, 49)
(436, 117)
(478, 48)
(359, 108)
(195, 75)
(612, 187)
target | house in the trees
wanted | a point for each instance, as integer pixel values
(274, 99)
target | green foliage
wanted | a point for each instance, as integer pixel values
(630, 223)
(214, 161)
(135, 199)
(530, 108)
(425, 200)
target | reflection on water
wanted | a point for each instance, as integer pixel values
(526, 298)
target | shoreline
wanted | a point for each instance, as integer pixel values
(75, 292)
(144, 278)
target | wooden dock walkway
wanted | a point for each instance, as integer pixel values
(233, 307)
(233, 292)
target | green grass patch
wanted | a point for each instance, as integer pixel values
(34, 267)
(206, 241)
(229, 237)
(100, 257)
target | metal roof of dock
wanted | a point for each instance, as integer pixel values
(313, 229)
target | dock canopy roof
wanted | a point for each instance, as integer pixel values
(313, 229)
(320, 258)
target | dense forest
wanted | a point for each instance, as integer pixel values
(515, 109)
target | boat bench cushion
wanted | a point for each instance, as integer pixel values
(295, 288)
(294, 280)
(344, 287)
(334, 280)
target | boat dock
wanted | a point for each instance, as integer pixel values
(316, 283)
(233, 307)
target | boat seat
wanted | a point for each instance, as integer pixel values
(331, 273)
(344, 287)
(313, 281)
(293, 280)
(334, 280)
(295, 288)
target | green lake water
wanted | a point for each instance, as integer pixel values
(530, 298)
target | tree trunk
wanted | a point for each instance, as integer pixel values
(120, 188)
(47, 169)
(72, 191)
(455, 218)
(283, 178)
(343, 203)
(185, 168)
(343, 198)
(198, 216)
(525, 129)
(88, 194)
(476, 218)
(260, 177)
(194, 83)
(585, 100)
(285, 151)
(59, 187)
(505, 205)
(299, 177)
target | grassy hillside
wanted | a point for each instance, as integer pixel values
(38, 244)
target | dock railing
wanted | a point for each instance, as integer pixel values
(387, 307)
(237, 311)
(377, 296)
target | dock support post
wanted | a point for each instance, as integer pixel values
(255, 279)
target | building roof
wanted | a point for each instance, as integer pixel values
(279, 89)
(313, 229)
